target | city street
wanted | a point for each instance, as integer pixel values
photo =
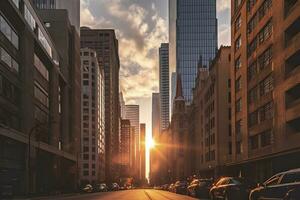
(140, 194)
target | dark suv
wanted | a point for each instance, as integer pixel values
(278, 186)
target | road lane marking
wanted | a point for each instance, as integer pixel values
(146, 193)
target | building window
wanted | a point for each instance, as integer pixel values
(41, 68)
(238, 105)
(252, 96)
(266, 5)
(238, 43)
(238, 84)
(253, 119)
(288, 5)
(291, 32)
(238, 127)
(250, 4)
(252, 70)
(238, 63)
(85, 173)
(266, 86)
(266, 112)
(85, 156)
(265, 59)
(41, 94)
(237, 4)
(29, 18)
(9, 32)
(238, 23)
(9, 91)
(16, 2)
(85, 165)
(254, 142)
(9, 61)
(44, 42)
(265, 138)
(85, 149)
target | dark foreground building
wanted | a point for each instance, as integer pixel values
(39, 102)
(105, 44)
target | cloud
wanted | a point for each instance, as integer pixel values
(140, 29)
(223, 5)
(141, 26)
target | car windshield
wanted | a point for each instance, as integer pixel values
(291, 178)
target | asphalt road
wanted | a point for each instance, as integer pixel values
(139, 194)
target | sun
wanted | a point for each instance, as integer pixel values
(151, 143)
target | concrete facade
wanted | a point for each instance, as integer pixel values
(33, 102)
(92, 119)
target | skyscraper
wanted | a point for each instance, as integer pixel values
(143, 151)
(125, 148)
(73, 8)
(164, 88)
(92, 134)
(122, 105)
(193, 38)
(132, 112)
(99, 39)
(155, 115)
(173, 89)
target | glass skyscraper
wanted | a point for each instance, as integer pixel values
(194, 32)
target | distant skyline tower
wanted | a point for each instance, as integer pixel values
(193, 39)
(132, 112)
(164, 86)
(155, 114)
(143, 151)
(125, 148)
(73, 7)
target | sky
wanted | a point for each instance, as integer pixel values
(141, 26)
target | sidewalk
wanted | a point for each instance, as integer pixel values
(46, 197)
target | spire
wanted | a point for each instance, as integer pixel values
(178, 87)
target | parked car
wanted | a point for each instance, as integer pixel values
(88, 188)
(172, 187)
(200, 188)
(293, 194)
(115, 187)
(278, 186)
(231, 188)
(165, 187)
(101, 188)
(180, 187)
